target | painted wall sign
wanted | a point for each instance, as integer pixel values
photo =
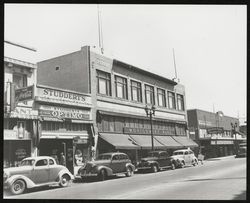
(60, 112)
(205, 123)
(23, 112)
(24, 94)
(62, 97)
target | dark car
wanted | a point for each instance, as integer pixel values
(107, 164)
(157, 160)
(242, 151)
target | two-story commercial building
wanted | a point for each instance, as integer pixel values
(20, 118)
(216, 134)
(119, 95)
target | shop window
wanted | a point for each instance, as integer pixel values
(171, 100)
(121, 87)
(19, 80)
(103, 83)
(161, 96)
(149, 94)
(136, 91)
(180, 102)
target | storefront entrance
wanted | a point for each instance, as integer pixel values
(15, 151)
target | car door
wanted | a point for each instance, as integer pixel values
(40, 172)
(162, 159)
(186, 157)
(115, 163)
(123, 161)
(53, 170)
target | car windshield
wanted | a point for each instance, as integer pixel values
(27, 162)
(153, 154)
(104, 157)
(178, 153)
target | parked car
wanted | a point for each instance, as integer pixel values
(185, 157)
(242, 151)
(157, 160)
(107, 164)
(35, 172)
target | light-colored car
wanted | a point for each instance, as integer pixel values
(107, 164)
(36, 172)
(185, 157)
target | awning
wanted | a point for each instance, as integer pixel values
(145, 141)
(119, 141)
(168, 141)
(185, 141)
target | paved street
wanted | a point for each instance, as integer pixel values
(218, 179)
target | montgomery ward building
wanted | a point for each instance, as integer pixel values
(119, 95)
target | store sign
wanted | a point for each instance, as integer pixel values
(205, 123)
(23, 112)
(78, 140)
(60, 112)
(145, 131)
(24, 94)
(215, 130)
(62, 97)
(221, 142)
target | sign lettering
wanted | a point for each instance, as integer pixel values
(24, 94)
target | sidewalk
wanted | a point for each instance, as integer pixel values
(220, 158)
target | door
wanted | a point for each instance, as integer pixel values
(116, 164)
(53, 170)
(187, 157)
(163, 161)
(40, 172)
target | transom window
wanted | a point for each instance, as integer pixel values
(180, 102)
(171, 100)
(161, 97)
(149, 94)
(121, 87)
(103, 83)
(136, 91)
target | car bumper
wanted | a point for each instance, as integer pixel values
(143, 168)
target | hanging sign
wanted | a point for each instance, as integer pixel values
(24, 94)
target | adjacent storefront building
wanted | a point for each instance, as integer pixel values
(217, 134)
(67, 124)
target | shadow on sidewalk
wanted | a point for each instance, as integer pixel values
(241, 196)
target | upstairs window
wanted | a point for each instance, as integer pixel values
(180, 102)
(149, 94)
(136, 91)
(121, 87)
(103, 83)
(161, 97)
(19, 80)
(171, 100)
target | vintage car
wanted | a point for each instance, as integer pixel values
(185, 157)
(157, 160)
(107, 164)
(35, 172)
(242, 151)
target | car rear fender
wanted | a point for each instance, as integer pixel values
(107, 169)
(12, 179)
(130, 165)
(65, 171)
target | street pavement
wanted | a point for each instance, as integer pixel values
(217, 179)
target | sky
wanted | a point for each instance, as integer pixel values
(209, 42)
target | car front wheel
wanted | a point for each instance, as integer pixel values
(154, 168)
(129, 172)
(64, 182)
(18, 187)
(173, 166)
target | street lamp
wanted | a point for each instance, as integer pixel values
(234, 126)
(150, 112)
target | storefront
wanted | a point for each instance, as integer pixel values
(67, 126)
(18, 135)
